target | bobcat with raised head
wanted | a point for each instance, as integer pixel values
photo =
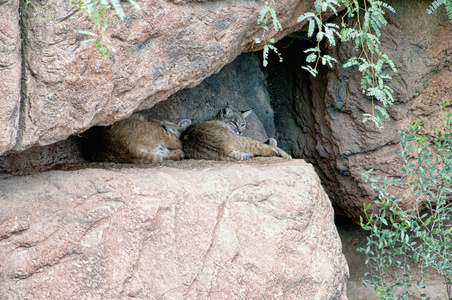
(137, 139)
(220, 139)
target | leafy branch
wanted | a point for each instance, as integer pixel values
(328, 31)
(437, 3)
(365, 32)
(266, 13)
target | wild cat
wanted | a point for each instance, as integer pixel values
(137, 139)
(220, 139)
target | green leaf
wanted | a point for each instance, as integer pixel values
(118, 8)
(311, 70)
(307, 15)
(87, 41)
(311, 27)
(97, 18)
(135, 4)
(276, 25)
(311, 58)
(87, 33)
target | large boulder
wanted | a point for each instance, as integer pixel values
(166, 46)
(260, 229)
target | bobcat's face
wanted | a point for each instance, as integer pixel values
(234, 119)
(236, 125)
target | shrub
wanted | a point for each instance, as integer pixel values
(422, 234)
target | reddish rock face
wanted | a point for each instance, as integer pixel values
(10, 73)
(69, 87)
(328, 129)
(420, 46)
(260, 229)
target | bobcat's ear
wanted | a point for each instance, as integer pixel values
(183, 124)
(171, 128)
(246, 113)
(226, 111)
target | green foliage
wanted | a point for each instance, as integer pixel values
(365, 33)
(99, 12)
(421, 235)
(266, 13)
(437, 3)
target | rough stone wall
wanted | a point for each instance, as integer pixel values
(260, 229)
(327, 128)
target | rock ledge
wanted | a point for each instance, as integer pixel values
(261, 229)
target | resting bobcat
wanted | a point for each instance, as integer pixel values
(138, 139)
(220, 139)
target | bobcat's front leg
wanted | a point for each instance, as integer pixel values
(230, 153)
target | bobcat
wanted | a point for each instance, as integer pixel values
(138, 139)
(220, 139)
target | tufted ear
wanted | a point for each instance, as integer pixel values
(226, 111)
(183, 124)
(171, 128)
(246, 113)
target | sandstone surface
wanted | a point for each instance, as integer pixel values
(10, 73)
(260, 229)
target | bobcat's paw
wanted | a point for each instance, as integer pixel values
(285, 155)
(161, 150)
(175, 155)
(237, 155)
(246, 156)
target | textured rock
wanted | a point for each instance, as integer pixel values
(40, 159)
(10, 72)
(261, 229)
(328, 130)
(165, 47)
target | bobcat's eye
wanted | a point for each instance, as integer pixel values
(236, 127)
